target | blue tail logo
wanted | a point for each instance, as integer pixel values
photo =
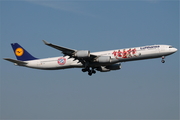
(21, 53)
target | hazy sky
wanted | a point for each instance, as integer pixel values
(144, 89)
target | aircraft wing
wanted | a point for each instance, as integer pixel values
(15, 61)
(64, 50)
(67, 51)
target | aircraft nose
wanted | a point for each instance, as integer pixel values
(175, 49)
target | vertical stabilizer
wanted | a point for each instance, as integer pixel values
(21, 53)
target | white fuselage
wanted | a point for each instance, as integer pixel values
(118, 55)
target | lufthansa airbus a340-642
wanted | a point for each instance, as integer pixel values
(103, 61)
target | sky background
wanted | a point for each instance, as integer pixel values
(144, 89)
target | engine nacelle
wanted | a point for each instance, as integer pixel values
(104, 59)
(103, 69)
(109, 68)
(82, 54)
(114, 67)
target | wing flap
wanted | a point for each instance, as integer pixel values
(15, 61)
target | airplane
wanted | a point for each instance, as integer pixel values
(103, 61)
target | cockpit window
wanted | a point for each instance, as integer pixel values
(170, 47)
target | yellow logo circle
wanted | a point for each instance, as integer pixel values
(19, 51)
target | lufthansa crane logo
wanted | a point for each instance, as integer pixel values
(19, 52)
(61, 61)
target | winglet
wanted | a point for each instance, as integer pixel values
(45, 42)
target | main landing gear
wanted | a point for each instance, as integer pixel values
(163, 61)
(90, 71)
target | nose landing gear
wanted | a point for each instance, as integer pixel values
(163, 61)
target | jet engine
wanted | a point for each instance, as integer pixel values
(109, 68)
(104, 59)
(103, 69)
(114, 67)
(82, 54)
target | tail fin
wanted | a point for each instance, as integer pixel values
(21, 53)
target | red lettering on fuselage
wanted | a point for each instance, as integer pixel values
(125, 53)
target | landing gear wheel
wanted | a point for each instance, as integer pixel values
(89, 73)
(89, 70)
(84, 70)
(93, 71)
(163, 61)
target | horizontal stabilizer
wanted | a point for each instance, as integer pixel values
(15, 61)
